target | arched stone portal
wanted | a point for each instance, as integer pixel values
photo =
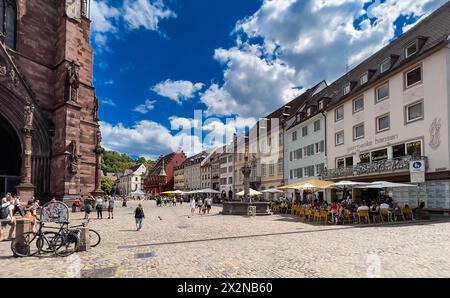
(10, 158)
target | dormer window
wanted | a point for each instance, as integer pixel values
(347, 89)
(308, 112)
(364, 79)
(385, 65)
(411, 49)
(320, 104)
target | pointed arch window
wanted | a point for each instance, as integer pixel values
(8, 21)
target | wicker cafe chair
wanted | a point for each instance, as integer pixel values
(323, 216)
(309, 215)
(301, 213)
(348, 218)
(385, 214)
(316, 215)
(363, 214)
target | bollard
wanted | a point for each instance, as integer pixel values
(85, 240)
(22, 226)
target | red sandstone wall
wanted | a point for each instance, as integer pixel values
(46, 40)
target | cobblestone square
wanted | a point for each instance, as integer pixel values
(181, 245)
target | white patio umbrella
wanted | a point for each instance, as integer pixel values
(252, 192)
(385, 184)
(347, 184)
(208, 190)
(272, 190)
(304, 186)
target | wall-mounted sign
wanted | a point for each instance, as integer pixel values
(417, 171)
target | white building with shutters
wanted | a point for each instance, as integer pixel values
(305, 144)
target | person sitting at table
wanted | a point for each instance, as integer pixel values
(362, 208)
(374, 210)
(385, 205)
(339, 214)
(396, 211)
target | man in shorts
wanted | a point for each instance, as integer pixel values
(111, 203)
(7, 217)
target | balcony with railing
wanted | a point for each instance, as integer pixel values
(383, 167)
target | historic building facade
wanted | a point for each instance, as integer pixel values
(192, 171)
(48, 110)
(393, 109)
(305, 157)
(161, 177)
(131, 183)
(226, 172)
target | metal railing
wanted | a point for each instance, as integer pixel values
(372, 168)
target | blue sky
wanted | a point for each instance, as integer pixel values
(156, 61)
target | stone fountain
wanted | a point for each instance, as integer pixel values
(242, 207)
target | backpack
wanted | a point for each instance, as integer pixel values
(4, 211)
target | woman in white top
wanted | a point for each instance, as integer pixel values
(192, 206)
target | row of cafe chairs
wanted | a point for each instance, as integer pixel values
(362, 216)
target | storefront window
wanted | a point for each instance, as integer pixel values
(364, 158)
(340, 163)
(398, 151)
(379, 155)
(414, 149)
(349, 161)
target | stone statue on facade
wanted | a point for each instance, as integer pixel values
(14, 77)
(73, 81)
(98, 135)
(73, 157)
(95, 110)
(3, 70)
(29, 111)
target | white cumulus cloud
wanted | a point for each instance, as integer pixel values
(289, 44)
(177, 90)
(108, 18)
(144, 108)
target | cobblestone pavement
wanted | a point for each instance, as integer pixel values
(180, 245)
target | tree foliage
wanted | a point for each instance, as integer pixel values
(114, 162)
(107, 185)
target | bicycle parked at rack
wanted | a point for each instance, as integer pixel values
(63, 243)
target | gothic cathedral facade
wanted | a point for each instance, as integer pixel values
(49, 126)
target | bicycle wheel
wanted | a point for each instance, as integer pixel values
(94, 238)
(25, 245)
(49, 243)
(66, 244)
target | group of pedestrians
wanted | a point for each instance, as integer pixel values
(203, 204)
(90, 203)
(9, 207)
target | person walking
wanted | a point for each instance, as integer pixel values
(139, 216)
(87, 208)
(208, 204)
(7, 217)
(200, 205)
(124, 201)
(99, 208)
(192, 204)
(111, 203)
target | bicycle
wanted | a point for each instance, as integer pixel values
(63, 243)
(94, 236)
